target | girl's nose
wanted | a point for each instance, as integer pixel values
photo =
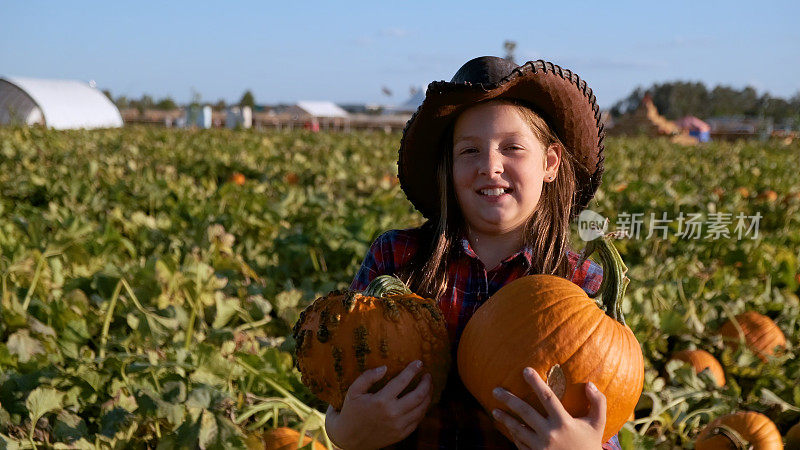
(490, 163)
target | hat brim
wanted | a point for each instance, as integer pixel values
(562, 99)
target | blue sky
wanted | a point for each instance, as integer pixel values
(346, 51)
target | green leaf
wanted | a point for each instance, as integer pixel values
(41, 401)
(24, 346)
(226, 308)
(113, 421)
(673, 323)
(69, 427)
(771, 399)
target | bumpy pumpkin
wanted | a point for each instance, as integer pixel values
(793, 437)
(280, 439)
(741, 430)
(542, 321)
(341, 335)
(701, 360)
(760, 333)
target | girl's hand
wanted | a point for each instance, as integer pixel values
(369, 421)
(558, 430)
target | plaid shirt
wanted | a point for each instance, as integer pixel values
(458, 420)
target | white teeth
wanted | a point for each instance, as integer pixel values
(496, 191)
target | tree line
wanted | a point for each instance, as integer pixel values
(147, 102)
(680, 98)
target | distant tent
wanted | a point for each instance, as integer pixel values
(320, 109)
(59, 104)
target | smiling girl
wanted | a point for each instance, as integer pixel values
(499, 160)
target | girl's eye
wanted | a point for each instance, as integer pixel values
(468, 150)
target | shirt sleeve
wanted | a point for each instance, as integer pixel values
(588, 276)
(378, 261)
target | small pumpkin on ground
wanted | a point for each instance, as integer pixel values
(741, 430)
(768, 195)
(760, 333)
(282, 438)
(341, 335)
(793, 437)
(544, 321)
(238, 179)
(701, 360)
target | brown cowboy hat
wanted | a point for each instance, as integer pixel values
(558, 95)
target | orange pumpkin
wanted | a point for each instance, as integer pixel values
(744, 429)
(761, 335)
(793, 438)
(341, 335)
(280, 439)
(701, 360)
(768, 195)
(238, 179)
(292, 178)
(541, 321)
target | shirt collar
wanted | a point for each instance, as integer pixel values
(525, 253)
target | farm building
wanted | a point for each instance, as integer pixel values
(59, 104)
(319, 114)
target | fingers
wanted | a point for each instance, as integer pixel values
(523, 410)
(416, 415)
(418, 395)
(523, 436)
(364, 381)
(549, 400)
(597, 407)
(396, 385)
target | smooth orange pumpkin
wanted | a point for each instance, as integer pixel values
(793, 438)
(539, 321)
(744, 429)
(283, 438)
(761, 335)
(768, 195)
(701, 360)
(238, 179)
(341, 335)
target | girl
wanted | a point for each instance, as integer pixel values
(499, 160)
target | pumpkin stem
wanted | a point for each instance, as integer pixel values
(386, 285)
(732, 435)
(614, 281)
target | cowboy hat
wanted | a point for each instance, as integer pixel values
(558, 95)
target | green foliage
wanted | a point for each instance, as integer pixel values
(676, 99)
(247, 99)
(147, 301)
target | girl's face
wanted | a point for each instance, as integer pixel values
(499, 166)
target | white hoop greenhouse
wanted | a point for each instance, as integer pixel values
(59, 104)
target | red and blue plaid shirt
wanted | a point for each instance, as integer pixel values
(458, 420)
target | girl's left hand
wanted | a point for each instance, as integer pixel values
(559, 429)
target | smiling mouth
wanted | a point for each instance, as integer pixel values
(495, 192)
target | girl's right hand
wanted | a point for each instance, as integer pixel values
(369, 421)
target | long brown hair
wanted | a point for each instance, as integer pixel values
(546, 231)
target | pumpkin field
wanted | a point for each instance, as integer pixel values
(150, 279)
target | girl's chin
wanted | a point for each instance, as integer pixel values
(498, 223)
